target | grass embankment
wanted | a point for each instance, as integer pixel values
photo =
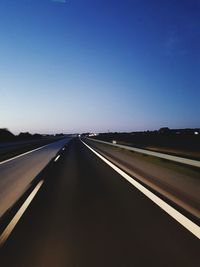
(186, 145)
(187, 170)
(190, 171)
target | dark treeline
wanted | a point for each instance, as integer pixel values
(7, 136)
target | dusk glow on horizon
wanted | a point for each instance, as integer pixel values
(99, 65)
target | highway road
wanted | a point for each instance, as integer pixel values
(17, 173)
(83, 213)
(178, 183)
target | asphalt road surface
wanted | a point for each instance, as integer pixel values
(17, 173)
(177, 183)
(85, 214)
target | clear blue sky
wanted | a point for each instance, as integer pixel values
(99, 65)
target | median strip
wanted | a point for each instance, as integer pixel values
(183, 220)
(23, 154)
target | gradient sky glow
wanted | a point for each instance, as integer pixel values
(99, 65)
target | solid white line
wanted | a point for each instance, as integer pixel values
(23, 154)
(195, 163)
(184, 221)
(57, 158)
(4, 236)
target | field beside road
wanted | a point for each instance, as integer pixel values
(184, 145)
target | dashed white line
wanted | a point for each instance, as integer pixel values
(183, 220)
(4, 236)
(57, 158)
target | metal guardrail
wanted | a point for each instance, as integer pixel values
(190, 162)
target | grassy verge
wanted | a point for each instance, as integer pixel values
(171, 165)
(164, 146)
(178, 167)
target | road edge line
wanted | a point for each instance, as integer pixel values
(179, 217)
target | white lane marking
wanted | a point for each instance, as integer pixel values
(4, 236)
(195, 163)
(23, 154)
(183, 220)
(57, 158)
